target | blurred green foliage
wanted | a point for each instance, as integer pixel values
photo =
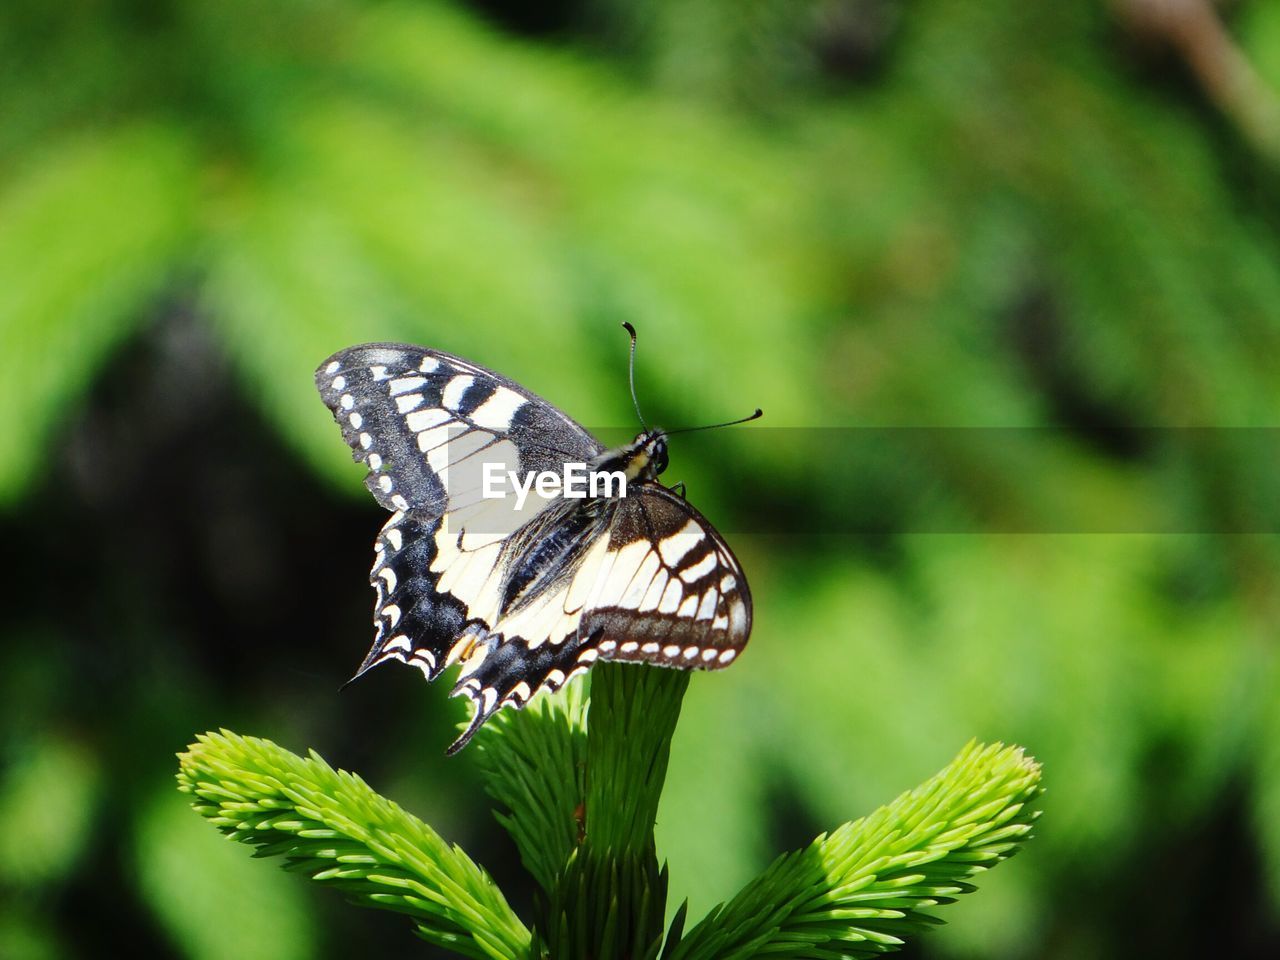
(245, 911)
(858, 213)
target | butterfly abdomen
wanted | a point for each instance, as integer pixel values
(549, 549)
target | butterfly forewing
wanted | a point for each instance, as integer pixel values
(407, 411)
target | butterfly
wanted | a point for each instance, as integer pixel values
(523, 592)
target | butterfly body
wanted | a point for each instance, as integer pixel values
(524, 595)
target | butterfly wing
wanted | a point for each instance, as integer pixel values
(522, 599)
(653, 583)
(419, 419)
(409, 414)
(675, 594)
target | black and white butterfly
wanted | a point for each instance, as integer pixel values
(523, 599)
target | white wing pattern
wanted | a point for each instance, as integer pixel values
(522, 600)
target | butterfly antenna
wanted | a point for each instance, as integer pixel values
(631, 374)
(715, 426)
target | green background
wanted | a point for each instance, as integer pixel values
(1056, 219)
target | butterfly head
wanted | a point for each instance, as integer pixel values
(646, 456)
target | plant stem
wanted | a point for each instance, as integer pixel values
(609, 901)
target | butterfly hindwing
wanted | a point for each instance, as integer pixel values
(655, 585)
(413, 622)
(687, 603)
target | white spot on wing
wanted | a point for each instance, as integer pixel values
(671, 597)
(438, 460)
(477, 580)
(496, 412)
(409, 401)
(631, 647)
(708, 606)
(430, 439)
(654, 594)
(429, 365)
(623, 570)
(455, 390)
(347, 401)
(585, 580)
(670, 651)
(699, 569)
(469, 443)
(640, 582)
(366, 441)
(356, 420)
(339, 383)
(332, 367)
(406, 384)
(386, 484)
(674, 547)
(451, 565)
(728, 655)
